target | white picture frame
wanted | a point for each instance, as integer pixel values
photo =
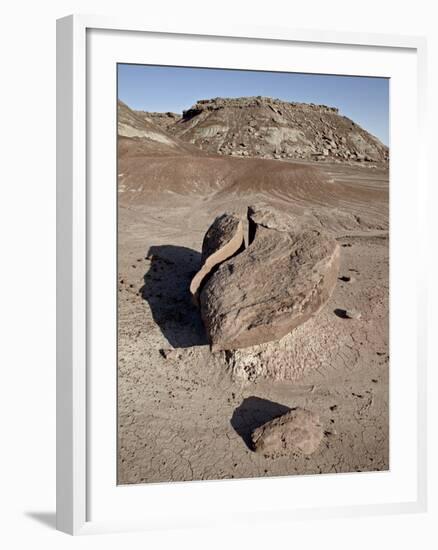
(81, 425)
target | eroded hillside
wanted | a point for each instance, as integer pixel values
(270, 128)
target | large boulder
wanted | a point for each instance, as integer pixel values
(223, 239)
(298, 430)
(285, 276)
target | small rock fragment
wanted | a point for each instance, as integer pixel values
(348, 313)
(353, 314)
(347, 279)
(299, 430)
(223, 239)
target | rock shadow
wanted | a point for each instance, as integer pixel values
(166, 289)
(342, 313)
(252, 413)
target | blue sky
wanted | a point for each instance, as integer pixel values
(150, 88)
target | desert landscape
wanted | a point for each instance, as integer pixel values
(253, 292)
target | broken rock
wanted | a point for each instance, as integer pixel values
(284, 277)
(299, 430)
(223, 239)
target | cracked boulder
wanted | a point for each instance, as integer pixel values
(223, 239)
(283, 278)
(298, 430)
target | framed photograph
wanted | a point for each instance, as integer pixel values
(240, 285)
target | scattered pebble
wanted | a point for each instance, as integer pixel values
(348, 313)
(347, 279)
(353, 314)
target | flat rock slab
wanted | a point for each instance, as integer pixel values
(285, 276)
(223, 239)
(299, 430)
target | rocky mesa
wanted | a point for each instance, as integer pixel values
(264, 127)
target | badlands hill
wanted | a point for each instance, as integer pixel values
(140, 135)
(264, 127)
(156, 165)
(152, 161)
(164, 120)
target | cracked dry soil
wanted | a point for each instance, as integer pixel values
(182, 414)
